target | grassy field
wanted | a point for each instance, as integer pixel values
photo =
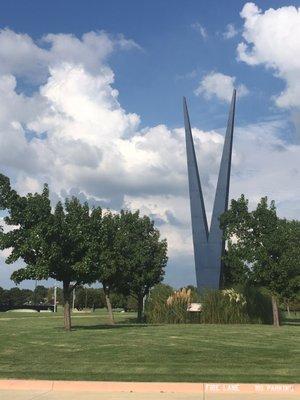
(34, 345)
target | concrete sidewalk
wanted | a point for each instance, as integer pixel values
(61, 390)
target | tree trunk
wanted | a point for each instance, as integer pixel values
(86, 296)
(140, 308)
(108, 306)
(275, 310)
(67, 306)
(288, 309)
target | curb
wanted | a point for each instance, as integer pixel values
(149, 387)
(255, 388)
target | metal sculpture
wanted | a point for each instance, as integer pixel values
(208, 243)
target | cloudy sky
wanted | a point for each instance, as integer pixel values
(91, 102)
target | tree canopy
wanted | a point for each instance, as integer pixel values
(76, 245)
(132, 257)
(262, 248)
(53, 244)
(146, 255)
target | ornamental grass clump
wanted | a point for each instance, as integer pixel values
(177, 304)
(224, 307)
(238, 305)
(156, 304)
(234, 297)
(165, 306)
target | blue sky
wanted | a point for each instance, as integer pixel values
(172, 49)
(152, 53)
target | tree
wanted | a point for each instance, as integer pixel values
(89, 298)
(50, 295)
(52, 244)
(262, 248)
(290, 289)
(144, 255)
(2, 296)
(19, 297)
(105, 254)
(71, 245)
(108, 251)
(161, 292)
(15, 297)
(127, 254)
(40, 294)
(156, 302)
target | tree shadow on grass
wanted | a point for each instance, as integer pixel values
(108, 326)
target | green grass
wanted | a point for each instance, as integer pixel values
(35, 346)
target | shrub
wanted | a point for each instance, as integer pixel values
(228, 306)
(259, 305)
(156, 304)
(168, 306)
(177, 304)
(224, 307)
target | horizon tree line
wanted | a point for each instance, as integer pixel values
(85, 298)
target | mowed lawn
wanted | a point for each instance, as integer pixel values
(35, 346)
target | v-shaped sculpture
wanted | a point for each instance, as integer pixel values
(208, 244)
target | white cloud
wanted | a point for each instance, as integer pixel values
(200, 29)
(219, 85)
(267, 165)
(271, 38)
(230, 32)
(21, 56)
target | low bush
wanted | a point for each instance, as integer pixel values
(168, 306)
(156, 304)
(259, 305)
(224, 307)
(228, 306)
